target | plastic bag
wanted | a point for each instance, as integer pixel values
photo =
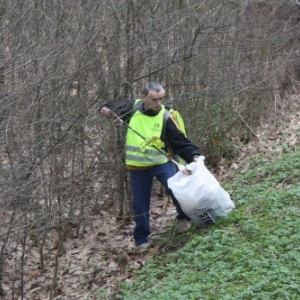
(200, 195)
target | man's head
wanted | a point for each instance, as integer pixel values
(152, 95)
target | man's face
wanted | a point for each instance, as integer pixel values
(153, 100)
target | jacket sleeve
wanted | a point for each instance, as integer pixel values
(180, 145)
(122, 108)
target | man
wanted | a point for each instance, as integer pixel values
(144, 161)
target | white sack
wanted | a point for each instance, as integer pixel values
(200, 195)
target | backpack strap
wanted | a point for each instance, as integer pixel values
(136, 106)
(178, 121)
(166, 116)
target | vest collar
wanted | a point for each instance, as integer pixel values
(148, 112)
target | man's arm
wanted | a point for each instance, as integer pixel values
(120, 109)
(181, 145)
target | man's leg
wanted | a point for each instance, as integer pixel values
(141, 182)
(163, 173)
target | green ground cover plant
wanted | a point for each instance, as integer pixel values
(254, 253)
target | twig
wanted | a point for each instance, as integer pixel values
(245, 122)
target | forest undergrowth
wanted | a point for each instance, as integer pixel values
(251, 254)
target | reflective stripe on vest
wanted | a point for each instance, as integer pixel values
(149, 156)
(148, 127)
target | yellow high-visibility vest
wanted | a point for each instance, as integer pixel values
(139, 152)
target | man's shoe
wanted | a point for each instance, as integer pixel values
(184, 225)
(141, 248)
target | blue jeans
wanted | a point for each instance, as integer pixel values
(141, 182)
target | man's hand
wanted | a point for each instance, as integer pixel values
(186, 171)
(190, 167)
(105, 111)
(195, 158)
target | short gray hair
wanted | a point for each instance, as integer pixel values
(152, 86)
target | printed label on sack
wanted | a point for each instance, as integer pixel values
(206, 218)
